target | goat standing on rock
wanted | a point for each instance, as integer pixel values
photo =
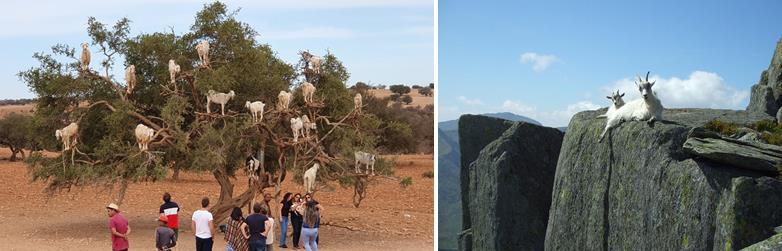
(648, 108)
(616, 102)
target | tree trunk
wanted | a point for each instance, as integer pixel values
(227, 202)
(175, 177)
(123, 187)
(14, 151)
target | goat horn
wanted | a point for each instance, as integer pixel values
(647, 76)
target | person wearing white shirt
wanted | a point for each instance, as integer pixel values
(203, 227)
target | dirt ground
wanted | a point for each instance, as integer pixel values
(389, 218)
(19, 109)
(418, 100)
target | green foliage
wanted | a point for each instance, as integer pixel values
(400, 89)
(766, 125)
(428, 174)
(431, 86)
(187, 139)
(407, 181)
(15, 133)
(360, 87)
(398, 121)
(426, 91)
(407, 99)
(721, 127)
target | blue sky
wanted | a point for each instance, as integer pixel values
(379, 41)
(550, 59)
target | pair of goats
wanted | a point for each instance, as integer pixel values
(69, 134)
(301, 126)
(647, 108)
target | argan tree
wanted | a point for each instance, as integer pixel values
(186, 136)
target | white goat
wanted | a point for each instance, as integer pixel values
(218, 98)
(130, 78)
(367, 159)
(296, 126)
(616, 102)
(256, 109)
(648, 108)
(173, 70)
(144, 135)
(357, 102)
(252, 164)
(283, 100)
(309, 177)
(68, 135)
(203, 52)
(308, 125)
(313, 61)
(85, 57)
(308, 91)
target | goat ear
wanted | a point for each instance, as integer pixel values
(608, 97)
(623, 94)
(652, 84)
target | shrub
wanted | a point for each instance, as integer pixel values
(426, 91)
(407, 181)
(400, 89)
(407, 99)
(428, 174)
(721, 127)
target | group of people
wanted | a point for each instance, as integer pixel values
(254, 232)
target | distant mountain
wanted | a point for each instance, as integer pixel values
(449, 191)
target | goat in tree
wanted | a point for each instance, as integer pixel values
(307, 91)
(357, 102)
(173, 70)
(308, 125)
(144, 135)
(256, 109)
(296, 126)
(309, 177)
(367, 159)
(130, 78)
(218, 98)
(313, 61)
(68, 135)
(85, 57)
(283, 100)
(203, 53)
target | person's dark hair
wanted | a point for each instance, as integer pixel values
(264, 210)
(166, 197)
(257, 208)
(308, 194)
(236, 214)
(297, 194)
(311, 213)
(286, 197)
(205, 202)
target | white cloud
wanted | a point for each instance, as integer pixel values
(517, 107)
(700, 90)
(539, 62)
(467, 101)
(547, 118)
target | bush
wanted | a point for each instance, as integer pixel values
(400, 89)
(360, 87)
(722, 127)
(426, 91)
(428, 174)
(407, 99)
(417, 87)
(431, 86)
(407, 181)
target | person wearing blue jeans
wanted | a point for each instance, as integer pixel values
(254, 228)
(309, 231)
(286, 202)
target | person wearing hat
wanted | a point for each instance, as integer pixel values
(165, 238)
(119, 227)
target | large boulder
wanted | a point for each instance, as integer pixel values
(475, 132)
(510, 188)
(767, 93)
(734, 152)
(640, 189)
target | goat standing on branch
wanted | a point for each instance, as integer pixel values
(367, 159)
(296, 126)
(308, 125)
(357, 102)
(85, 57)
(218, 98)
(283, 100)
(648, 108)
(256, 109)
(68, 135)
(616, 102)
(313, 61)
(307, 91)
(309, 177)
(130, 78)
(144, 135)
(203, 53)
(173, 70)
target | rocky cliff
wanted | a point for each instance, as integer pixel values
(641, 189)
(508, 184)
(767, 93)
